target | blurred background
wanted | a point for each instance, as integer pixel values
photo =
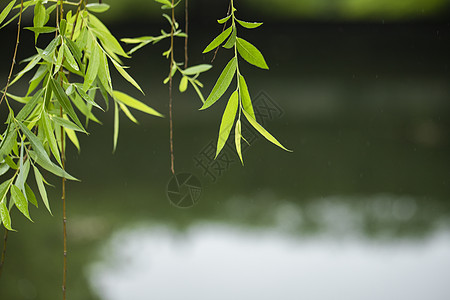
(359, 89)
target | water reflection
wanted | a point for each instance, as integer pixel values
(218, 260)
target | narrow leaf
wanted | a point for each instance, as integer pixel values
(249, 25)
(4, 214)
(97, 7)
(223, 20)
(218, 40)
(251, 54)
(136, 104)
(227, 121)
(6, 11)
(30, 195)
(127, 112)
(263, 131)
(197, 69)
(69, 58)
(116, 125)
(127, 76)
(231, 40)
(94, 63)
(222, 84)
(48, 132)
(64, 101)
(41, 188)
(20, 201)
(245, 97)
(237, 139)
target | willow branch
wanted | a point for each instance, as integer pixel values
(15, 52)
(2, 262)
(172, 164)
(186, 16)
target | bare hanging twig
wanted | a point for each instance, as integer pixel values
(5, 237)
(186, 16)
(172, 163)
(15, 52)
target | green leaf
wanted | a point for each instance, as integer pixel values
(183, 84)
(4, 214)
(73, 138)
(4, 187)
(41, 188)
(66, 124)
(50, 49)
(37, 78)
(97, 7)
(237, 139)
(199, 93)
(4, 167)
(165, 2)
(6, 11)
(59, 60)
(30, 195)
(86, 97)
(245, 97)
(223, 20)
(231, 40)
(40, 155)
(218, 40)
(8, 142)
(104, 74)
(20, 201)
(70, 59)
(249, 25)
(116, 126)
(64, 101)
(28, 68)
(94, 63)
(263, 131)
(73, 47)
(46, 125)
(136, 104)
(39, 30)
(127, 76)
(251, 54)
(227, 121)
(222, 83)
(127, 112)
(197, 69)
(108, 41)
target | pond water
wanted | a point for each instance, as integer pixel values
(359, 210)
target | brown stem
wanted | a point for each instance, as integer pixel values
(2, 262)
(186, 15)
(223, 29)
(172, 164)
(63, 198)
(15, 52)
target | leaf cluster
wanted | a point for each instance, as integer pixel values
(240, 102)
(67, 74)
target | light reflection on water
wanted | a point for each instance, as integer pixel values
(213, 260)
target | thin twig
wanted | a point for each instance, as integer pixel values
(172, 164)
(2, 262)
(15, 53)
(63, 183)
(223, 29)
(186, 16)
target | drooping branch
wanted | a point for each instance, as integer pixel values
(13, 62)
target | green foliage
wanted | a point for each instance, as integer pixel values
(240, 100)
(188, 75)
(68, 74)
